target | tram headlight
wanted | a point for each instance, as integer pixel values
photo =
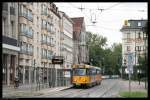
(74, 80)
(83, 79)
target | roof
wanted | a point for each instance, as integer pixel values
(77, 26)
(134, 24)
(66, 16)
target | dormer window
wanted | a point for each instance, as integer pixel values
(139, 23)
(128, 24)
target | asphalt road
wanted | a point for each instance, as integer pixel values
(108, 88)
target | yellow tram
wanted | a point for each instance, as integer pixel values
(86, 75)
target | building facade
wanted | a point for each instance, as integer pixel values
(39, 39)
(67, 37)
(133, 42)
(33, 34)
(81, 54)
(9, 42)
(66, 45)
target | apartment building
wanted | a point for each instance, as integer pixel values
(80, 51)
(39, 36)
(133, 41)
(9, 42)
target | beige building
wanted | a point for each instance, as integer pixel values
(9, 42)
(39, 31)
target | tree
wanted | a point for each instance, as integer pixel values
(109, 59)
(96, 43)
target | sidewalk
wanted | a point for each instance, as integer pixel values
(134, 85)
(27, 91)
(124, 84)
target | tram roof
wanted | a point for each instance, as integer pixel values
(84, 66)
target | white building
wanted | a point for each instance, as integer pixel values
(67, 37)
(133, 41)
(66, 45)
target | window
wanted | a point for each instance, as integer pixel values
(27, 30)
(4, 20)
(48, 39)
(12, 11)
(23, 47)
(43, 24)
(129, 24)
(43, 10)
(37, 36)
(12, 27)
(37, 22)
(139, 23)
(30, 16)
(138, 48)
(44, 38)
(52, 41)
(37, 52)
(42, 52)
(128, 48)
(128, 37)
(139, 35)
(5, 6)
(30, 31)
(79, 71)
(23, 11)
(45, 53)
(48, 27)
(22, 28)
(12, 4)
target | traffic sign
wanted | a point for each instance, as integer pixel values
(130, 62)
(57, 60)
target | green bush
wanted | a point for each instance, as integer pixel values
(143, 79)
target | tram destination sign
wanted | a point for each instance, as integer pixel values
(57, 60)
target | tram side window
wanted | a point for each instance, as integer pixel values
(98, 72)
(92, 72)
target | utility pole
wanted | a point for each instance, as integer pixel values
(130, 68)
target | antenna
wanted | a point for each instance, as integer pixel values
(81, 8)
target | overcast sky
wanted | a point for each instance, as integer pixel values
(109, 21)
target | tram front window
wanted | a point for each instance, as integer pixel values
(79, 71)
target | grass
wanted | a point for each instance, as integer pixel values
(134, 94)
